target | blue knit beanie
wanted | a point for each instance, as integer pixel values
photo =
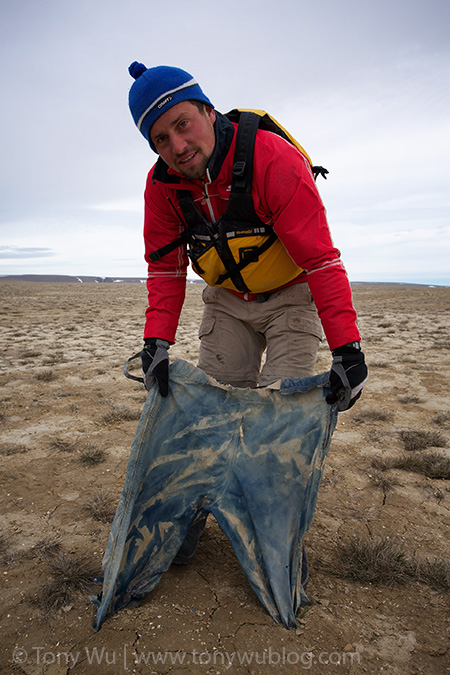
(156, 90)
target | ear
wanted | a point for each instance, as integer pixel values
(211, 113)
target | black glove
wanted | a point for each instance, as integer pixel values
(347, 377)
(155, 364)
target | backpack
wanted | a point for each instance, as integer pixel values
(269, 123)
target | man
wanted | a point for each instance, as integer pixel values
(272, 290)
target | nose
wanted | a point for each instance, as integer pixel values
(178, 144)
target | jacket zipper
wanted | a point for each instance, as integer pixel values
(207, 198)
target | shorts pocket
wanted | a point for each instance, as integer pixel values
(206, 326)
(300, 322)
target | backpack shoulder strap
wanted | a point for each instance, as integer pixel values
(240, 203)
(243, 154)
(268, 123)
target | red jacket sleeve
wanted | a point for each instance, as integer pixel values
(166, 282)
(299, 219)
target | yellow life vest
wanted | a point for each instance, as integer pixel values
(238, 251)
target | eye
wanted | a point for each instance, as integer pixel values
(161, 140)
(183, 124)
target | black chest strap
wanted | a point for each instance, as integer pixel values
(239, 209)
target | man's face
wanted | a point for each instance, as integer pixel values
(184, 138)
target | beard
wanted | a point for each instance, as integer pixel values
(197, 171)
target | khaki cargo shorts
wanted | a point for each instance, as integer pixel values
(238, 336)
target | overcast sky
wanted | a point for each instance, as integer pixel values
(363, 85)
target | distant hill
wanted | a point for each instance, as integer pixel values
(66, 278)
(69, 279)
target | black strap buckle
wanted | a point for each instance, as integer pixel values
(239, 169)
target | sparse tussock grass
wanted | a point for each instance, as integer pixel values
(101, 507)
(47, 375)
(375, 435)
(435, 572)
(384, 481)
(383, 561)
(379, 364)
(47, 547)
(4, 547)
(377, 561)
(69, 576)
(373, 415)
(62, 445)
(442, 419)
(381, 463)
(430, 464)
(30, 354)
(12, 449)
(91, 456)
(56, 357)
(409, 399)
(120, 413)
(420, 440)
(441, 344)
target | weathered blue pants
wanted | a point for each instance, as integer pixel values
(251, 457)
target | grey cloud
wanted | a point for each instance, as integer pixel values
(9, 252)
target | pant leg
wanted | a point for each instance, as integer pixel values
(230, 348)
(293, 334)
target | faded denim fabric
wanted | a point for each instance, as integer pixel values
(252, 457)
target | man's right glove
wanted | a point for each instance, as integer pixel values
(347, 377)
(155, 364)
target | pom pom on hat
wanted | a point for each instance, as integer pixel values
(156, 90)
(136, 69)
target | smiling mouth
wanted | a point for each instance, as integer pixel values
(188, 158)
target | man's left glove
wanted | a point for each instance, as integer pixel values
(348, 376)
(155, 364)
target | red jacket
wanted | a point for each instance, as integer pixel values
(284, 194)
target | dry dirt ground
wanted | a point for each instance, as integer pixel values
(68, 417)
